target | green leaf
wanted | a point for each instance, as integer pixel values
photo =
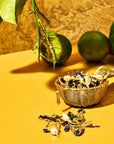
(111, 29)
(0, 5)
(10, 9)
(19, 6)
(54, 45)
(54, 42)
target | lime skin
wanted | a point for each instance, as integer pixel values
(112, 44)
(93, 46)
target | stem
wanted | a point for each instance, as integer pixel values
(38, 26)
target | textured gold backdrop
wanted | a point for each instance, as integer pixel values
(69, 17)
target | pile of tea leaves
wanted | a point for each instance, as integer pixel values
(76, 123)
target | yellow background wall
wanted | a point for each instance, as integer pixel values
(69, 17)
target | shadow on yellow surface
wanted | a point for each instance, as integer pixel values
(108, 98)
(74, 59)
(43, 67)
(74, 62)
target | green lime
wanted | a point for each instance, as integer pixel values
(111, 38)
(62, 54)
(112, 43)
(93, 46)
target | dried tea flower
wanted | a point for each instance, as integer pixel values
(67, 128)
(79, 132)
(54, 131)
(46, 130)
(65, 117)
(74, 122)
(80, 81)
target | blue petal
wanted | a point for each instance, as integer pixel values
(46, 130)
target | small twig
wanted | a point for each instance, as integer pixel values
(38, 26)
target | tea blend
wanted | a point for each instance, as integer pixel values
(83, 89)
(76, 123)
(80, 80)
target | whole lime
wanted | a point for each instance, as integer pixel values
(112, 44)
(93, 46)
(64, 52)
(111, 38)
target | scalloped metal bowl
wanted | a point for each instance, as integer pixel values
(81, 97)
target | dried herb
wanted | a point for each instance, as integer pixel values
(71, 122)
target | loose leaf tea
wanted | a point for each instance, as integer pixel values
(70, 121)
(83, 89)
(79, 80)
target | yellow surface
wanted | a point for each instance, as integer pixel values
(27, 90)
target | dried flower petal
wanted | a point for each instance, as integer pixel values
(79, 132)
(54, 131)
(46, 130)
(67, 128)
(65, 117)
(74, 122)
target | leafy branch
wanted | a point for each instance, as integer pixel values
(9, 11)
(49, 38)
